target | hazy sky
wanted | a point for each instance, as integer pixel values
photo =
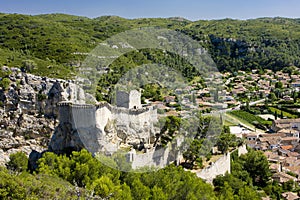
(190, 9)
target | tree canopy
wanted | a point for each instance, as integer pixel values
(54, 42)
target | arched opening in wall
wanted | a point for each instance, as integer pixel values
(134, 107)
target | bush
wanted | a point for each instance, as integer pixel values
(41, 96)
(18, 162)
(28, 65)
(28, 186)
(5, 83)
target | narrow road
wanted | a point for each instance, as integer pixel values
(235, 120)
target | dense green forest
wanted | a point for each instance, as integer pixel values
(82, 176)
(50, 41)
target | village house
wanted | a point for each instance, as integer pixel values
(273, 157)
(282, 177)
(251, 136)
(287, 147)
(295, 84)
(293, 169)
(289, 141)
(291, 162)
(239, 90)
(275, 167)
(295, 77)
(268, 142)
(289, 132)
(285, 124)
(290, 196)
(287, 98)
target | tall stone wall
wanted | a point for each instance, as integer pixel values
(135, 99)
(65, 113)
(76, 129)
(122, 99)
(131, 100)
(158, 158)
(79, 116)
(220, 167)
(83, 116)
(102, 125)
(242, 150)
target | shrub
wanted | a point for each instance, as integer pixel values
(28, 65)
(5, 83)
(18, 162)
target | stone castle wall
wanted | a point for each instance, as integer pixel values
(220, 167)
(80, 116)
(136, 123)
(158, 158)
(128, 100)
(84, 116)
(91, 121)
(65, 113)
(103, 116)
(135, 99)
(242, 150)
(122, 99)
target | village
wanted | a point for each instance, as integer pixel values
(236, 90)
(269, 97)
(282, 149)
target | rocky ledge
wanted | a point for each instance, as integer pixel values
(28, 110)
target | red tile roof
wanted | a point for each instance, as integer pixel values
(287, 147)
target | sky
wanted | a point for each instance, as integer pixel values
(189, 9)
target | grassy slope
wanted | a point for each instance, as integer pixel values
(51, 39)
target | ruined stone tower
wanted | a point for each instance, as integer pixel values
(131, 100)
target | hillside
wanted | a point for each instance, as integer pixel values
(51, 47)
(49, 40)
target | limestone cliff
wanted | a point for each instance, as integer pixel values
(28, 111)
(39, 113)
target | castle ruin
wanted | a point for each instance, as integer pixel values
(108, 128)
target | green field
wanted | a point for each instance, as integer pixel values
(285, 114)
(250, 118)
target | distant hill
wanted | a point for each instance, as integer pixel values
(49, 40)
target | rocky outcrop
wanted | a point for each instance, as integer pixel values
(29, 112)
(39, 114)
(65, 139)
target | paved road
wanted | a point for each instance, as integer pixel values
(237, 107)
(233, 119)
(236, 121)
(244, 104)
